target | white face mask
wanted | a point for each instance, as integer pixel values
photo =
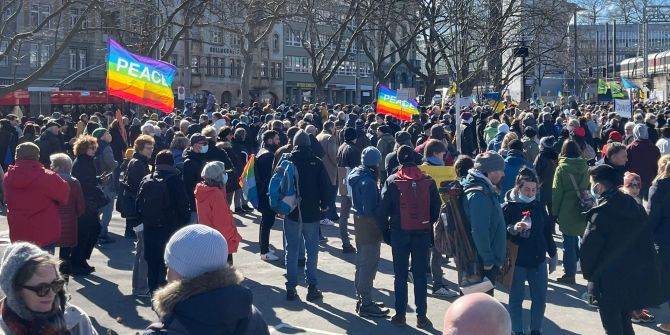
(225, 178)
(204, 149)
(525, 199)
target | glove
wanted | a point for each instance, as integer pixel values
(488, 267)
(553, 262)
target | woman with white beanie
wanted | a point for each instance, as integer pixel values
(203, 295)
(35, 300)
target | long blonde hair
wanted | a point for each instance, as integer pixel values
(508, 138)
(663, 168)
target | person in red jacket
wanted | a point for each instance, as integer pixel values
(213, 207)
(70, 212)
(33, 194)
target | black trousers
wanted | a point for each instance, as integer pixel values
(155, 239)
(615, 320)
(267, 221)
(87, 235)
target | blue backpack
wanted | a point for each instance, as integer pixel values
(283, 192)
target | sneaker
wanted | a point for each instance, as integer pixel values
(410, 277)
(399, 320)
(239, 210)
(665, 327)
(642, 316)
(313, 293)
(422, 322)
(327, 222)
(247, 208)
(590, 299)
(323, 239)
(348, 249)
(143, 295)
(445, 293)
(565, 279)
(291, 294)
(373, 311)
(269, 257)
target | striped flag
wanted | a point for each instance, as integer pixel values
(248, 182)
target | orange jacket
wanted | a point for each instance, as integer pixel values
(214, 211)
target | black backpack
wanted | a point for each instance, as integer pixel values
(153, 201)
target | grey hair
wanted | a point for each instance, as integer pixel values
(147, 129)
(214, 172)
(62, 162)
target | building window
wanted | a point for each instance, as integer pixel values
(34, 55)
(217, 36)
(275, 42)
(44, 54)
(235, 40)
(195, 64)
(44, 14)
(264, 70)
(74, 15)
(34, 15)
(239, 68)
(209, 66)
(232, 68)
(73, 59)
(83, 62)
(293, 39)
(222, 67)
(4, 61)
(297, 64)
(174, 60)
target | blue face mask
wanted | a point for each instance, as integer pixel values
(204, 149)
(594, 194)
(525, 199)
(225, 178)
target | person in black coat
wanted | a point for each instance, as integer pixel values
(195, 158)
(263, 173)
(118, 144)
(8, 141)
(49, 142)
(618, 255)
(84, 170)
(468, 135)
(348, 158)
(658, 208)
(240, 156)
(177, 216)
(223, 155)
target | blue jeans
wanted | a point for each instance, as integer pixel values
(417, 245)
(570, 254)
(537, 281)
(292, 239)
(106, 213)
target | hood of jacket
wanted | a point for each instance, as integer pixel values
(515, 157)
(573, 165)
(167, 171)
(359, 173)
(499, 137)
(23, 174)
(213, 303)
(474, 179)
(411, 172)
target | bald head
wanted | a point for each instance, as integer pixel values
(476, 314)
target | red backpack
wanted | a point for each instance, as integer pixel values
(414, 189)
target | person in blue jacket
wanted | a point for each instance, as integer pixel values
(514, 161)
(365, 199)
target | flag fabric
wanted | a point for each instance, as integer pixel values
(627, 84)
(493, 96)
(389, 104)
(560, 94)
(248, 182)
(642, 95)
(142, 80)
(616, 90)
(452, 90)
(602, 87)
(122, 126)
(475, 102)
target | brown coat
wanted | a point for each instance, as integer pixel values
(329, 144)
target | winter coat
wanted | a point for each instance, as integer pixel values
(530, 149)
(240, 154)
(118, 145)
(225, 156)
(193, 164)
(317, 149)
(496, 142)
(643, 158)
(364, 193)
(49, 144)
(468, 139)
(178, 156)
(514, 161)
(76, 320)
(8, 141)
(545, 167)
(482, 209)
(348, 155)
(83, 168)
(213, 303)
(481, 136)
(329, 145)
(106, 164)
(385, 145)
(565, 204)
(391, 161)
(178, 212)
(388, 211)
(489, 134)
(620, 171)
(534, 248)
(70, 212)
(617, 254)
(214, 211)
(658, 208)
(263, 172)
(138, 167)
(32, 194)
(547, 128)
(313, 181)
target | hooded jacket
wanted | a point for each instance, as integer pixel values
(364, 193)
(33, 194)
(545, 167)
(496, 142)
(214, 211)
(643, 158)
(193, 164)
(70, 212)
(263, 173)
(49, 144)
(313, 180)
(659, 221)
(617, 254)
(213, 303)
(514, 161)
(565, 204)
(329, 145)
(534, 248)
(482, 208)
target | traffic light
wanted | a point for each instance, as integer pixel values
(590, 72)
(604, 75)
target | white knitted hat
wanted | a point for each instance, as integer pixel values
(196, 249)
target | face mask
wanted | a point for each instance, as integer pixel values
(225, 178)
(594, 193)
(525, 199)
(204, 149)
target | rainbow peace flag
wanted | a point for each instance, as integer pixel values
(142, 80)
(248, 182)
(388, 103)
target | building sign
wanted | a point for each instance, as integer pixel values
(219, 50)
(305, 85)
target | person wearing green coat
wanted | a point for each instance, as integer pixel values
(565, 205)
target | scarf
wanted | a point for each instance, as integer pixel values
(435, 161)
(51, 323)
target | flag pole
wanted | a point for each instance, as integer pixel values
(458, 122)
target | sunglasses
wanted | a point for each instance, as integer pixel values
(42, 290)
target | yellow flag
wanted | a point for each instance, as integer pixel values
(452, 91)
(642, 95)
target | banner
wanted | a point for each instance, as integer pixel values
(122, 126)
(602, 87)
(616, 90)
(627, 84)
(439, 173)
(623, 108)
(248, 182)
(389, 104)
(142, 80)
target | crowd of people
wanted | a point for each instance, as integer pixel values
(599, 177)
